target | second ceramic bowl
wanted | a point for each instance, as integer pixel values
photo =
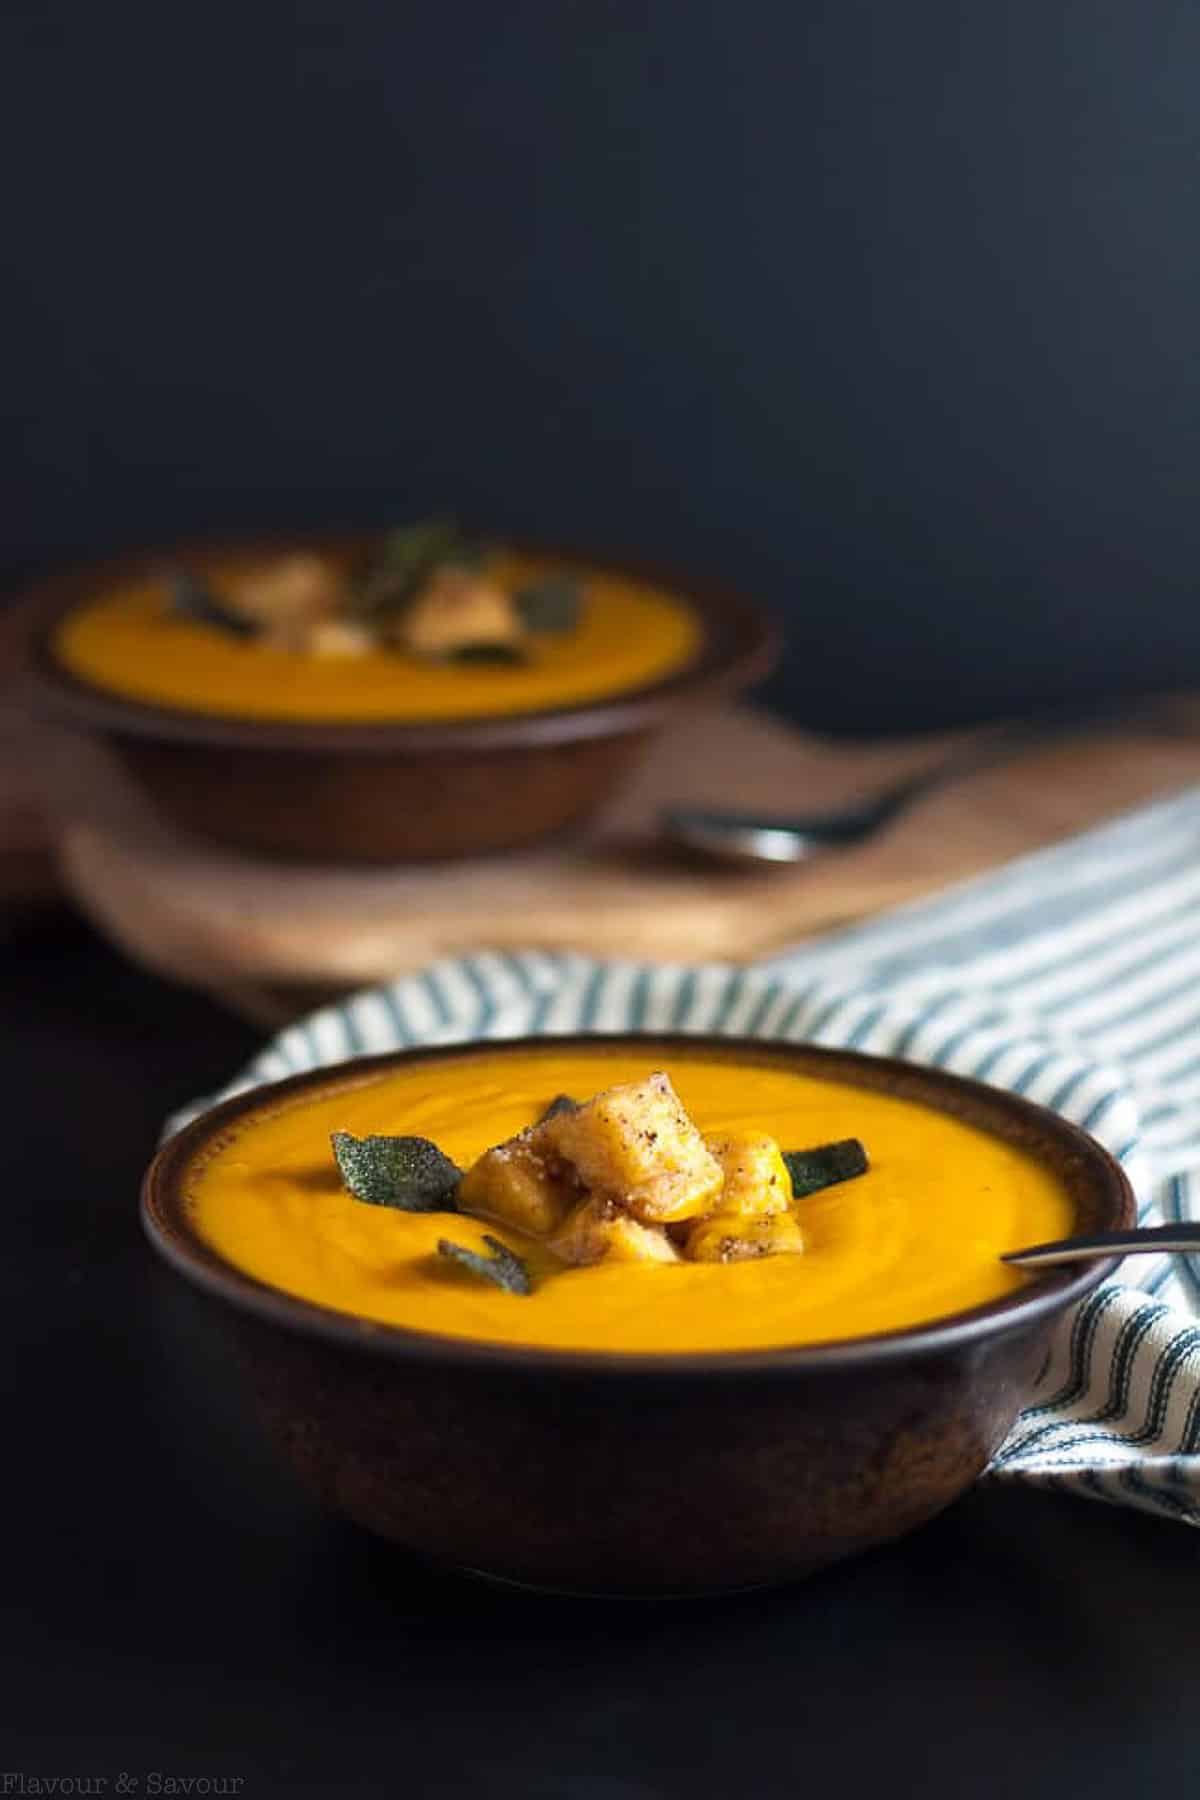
(383, 792)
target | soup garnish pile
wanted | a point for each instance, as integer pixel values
(429, 591)
(423, 624)
(626, 1176)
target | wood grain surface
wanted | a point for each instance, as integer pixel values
(272, 940)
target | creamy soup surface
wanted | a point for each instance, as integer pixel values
(914, 1239)
(128, 642)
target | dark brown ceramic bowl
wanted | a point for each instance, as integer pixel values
(643, 1473)
(383, 793)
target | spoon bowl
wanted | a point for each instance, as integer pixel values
(751, 838)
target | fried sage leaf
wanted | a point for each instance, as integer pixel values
(561, 1103)
(192, 600)
(503, 1266)
(553, 604)
(825, 1165)
(409, 1173)
(404, 564)
(414, 547)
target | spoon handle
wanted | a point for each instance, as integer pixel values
(1143, 1240)
(744, 836)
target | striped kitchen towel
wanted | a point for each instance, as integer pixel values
(1069, 976)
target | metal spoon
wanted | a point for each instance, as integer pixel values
(1143, 1240)
(754, 838)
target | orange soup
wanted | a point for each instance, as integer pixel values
(915, 1239)
(129, 642)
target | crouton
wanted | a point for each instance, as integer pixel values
(456, 609)
(520, 1184)
(636, 1145)
(338, 637)
(291, 590)
(735, 1237)
(598, 1231)
(756, 1177)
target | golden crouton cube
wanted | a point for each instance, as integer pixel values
(756, 1177)
(456, 608)
(598, 1231)
(735, 1237)
(635, 1144)
(291, 590)
(338, 637)
(516, 1183)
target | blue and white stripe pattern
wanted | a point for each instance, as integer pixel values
(1070, 976)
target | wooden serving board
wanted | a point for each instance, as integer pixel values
(273, 939)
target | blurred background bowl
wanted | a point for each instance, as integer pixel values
(380, 792)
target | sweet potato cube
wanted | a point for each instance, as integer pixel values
(756, 1177)
(736, 1237)
(636, 1145)
(515, 1182)
(458, 607)
(291, 590)
(598, 1231)
(338, 637)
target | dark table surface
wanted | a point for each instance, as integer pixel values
(176, 1613)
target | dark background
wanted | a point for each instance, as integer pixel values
(885, 312)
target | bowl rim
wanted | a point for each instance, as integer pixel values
(1010, 1116)
(740, 643)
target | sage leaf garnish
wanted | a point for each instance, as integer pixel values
(192, 600)
(415, 546)
(561, 1103)
(553, 604)
(503, 1266)
(409, 1173)
(825, 1165)
(405, 562)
